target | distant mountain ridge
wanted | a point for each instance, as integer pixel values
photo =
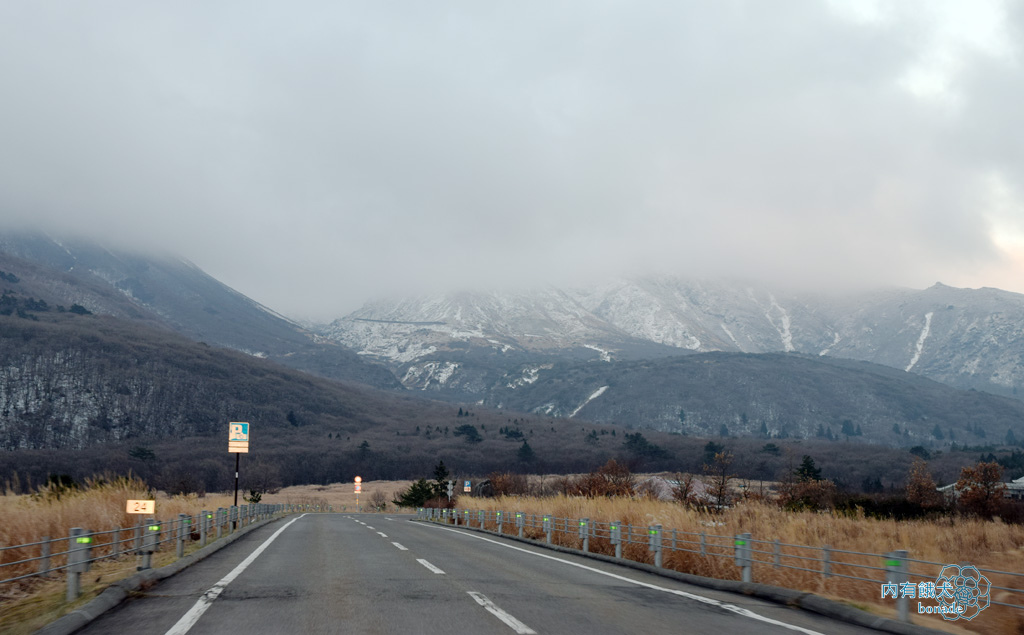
(174, 293)
(968, 338)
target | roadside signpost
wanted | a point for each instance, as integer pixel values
(141, 507)
(467, 487)
(238, 443)
(358, 488)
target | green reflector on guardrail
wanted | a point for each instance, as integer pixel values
(741, 542)
(614, 527)
(154, 527)
(892, 563)
(83, 540)
(653, 532)
(209, 515)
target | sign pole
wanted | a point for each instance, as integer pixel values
(237, 456)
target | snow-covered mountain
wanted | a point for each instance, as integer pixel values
(970, 338)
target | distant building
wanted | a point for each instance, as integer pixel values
(1014, 489)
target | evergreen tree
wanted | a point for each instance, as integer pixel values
(807, 471)
(440, 479)
(417, 495)
(525, 453)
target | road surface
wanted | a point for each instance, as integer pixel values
(371, 573)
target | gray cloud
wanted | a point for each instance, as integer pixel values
(314, 156)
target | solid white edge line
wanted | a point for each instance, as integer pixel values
(400, 546)
(188, 620)
(698, 598)
(497, 612)
(429, 566)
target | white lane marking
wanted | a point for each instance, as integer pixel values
(429, 566)
(389, 519)
(382, 534)
(497, 612)
(698, 598)
(189, 620)
(369, 527)
(400, 546)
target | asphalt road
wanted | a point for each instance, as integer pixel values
(370, 573)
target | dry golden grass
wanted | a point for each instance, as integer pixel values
(985, 544)
(341, 496)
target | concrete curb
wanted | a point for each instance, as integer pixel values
(780, 595)
(119, 591)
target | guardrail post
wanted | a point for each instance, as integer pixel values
(743, 556)
(826, 561)
(44, 556)
(777, 554)
(896, 573)
(465, 518)
(703, 544)
(482, 517)
(499, 521)
(585, 533)
(221, 514)
(182, 528)
(519, 523)
(204, 526)
(547, 528)
(79, 551)
(654, 543)
(234, 519)
(149, 543)
(673, 540)
(615, 536)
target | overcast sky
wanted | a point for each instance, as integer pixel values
(316, 155)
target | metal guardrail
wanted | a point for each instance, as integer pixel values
(48, 555)
(749, 554)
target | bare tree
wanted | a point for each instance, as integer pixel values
(379, 500)
(719, 479)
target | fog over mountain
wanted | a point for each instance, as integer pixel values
(318, 156)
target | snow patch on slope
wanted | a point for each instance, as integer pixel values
(437, 372)
(597, 393)
(835, 340)
(530, 375)
(784, 332)
(732, 337)
(920, 341)
(606, 356)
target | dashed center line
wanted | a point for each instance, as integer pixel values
(382, 534)
(400, 546)
(497, 612)
(429, 566)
